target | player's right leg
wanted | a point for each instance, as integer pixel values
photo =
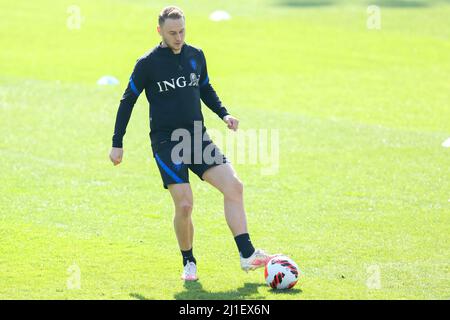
(176, 178)
(184, 229)
(183, 202)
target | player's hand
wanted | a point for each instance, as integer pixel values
(116, 155)
(231, 122)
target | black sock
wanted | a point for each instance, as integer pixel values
(244, 245)
(188, 256)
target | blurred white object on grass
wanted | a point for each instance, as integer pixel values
(219, 15)
(107, 81)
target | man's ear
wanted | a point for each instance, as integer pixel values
(158, 28)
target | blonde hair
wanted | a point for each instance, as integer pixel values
(170, 12)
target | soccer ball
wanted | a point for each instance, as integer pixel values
(281, 273)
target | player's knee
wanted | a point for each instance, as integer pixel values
(234, 190)
(184, 208)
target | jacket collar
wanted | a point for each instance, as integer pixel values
(168, 51)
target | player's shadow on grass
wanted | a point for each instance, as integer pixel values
(194, 290)
(138, 296)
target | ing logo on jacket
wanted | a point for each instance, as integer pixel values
(180, 82)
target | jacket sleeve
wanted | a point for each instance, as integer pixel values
(136, 84)
(207, 92)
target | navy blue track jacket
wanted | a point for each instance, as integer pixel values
(174, 85)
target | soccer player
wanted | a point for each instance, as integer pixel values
(175, 79)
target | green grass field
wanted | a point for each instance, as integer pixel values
(362, 189)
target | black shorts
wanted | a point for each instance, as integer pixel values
(174, 166)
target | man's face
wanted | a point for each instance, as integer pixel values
(173, 33)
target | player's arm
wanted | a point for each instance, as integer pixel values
(212, 101)
(134, 88)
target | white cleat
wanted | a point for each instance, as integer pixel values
(189, 272)
(257, 260)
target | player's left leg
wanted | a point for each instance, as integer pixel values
(225, 179)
